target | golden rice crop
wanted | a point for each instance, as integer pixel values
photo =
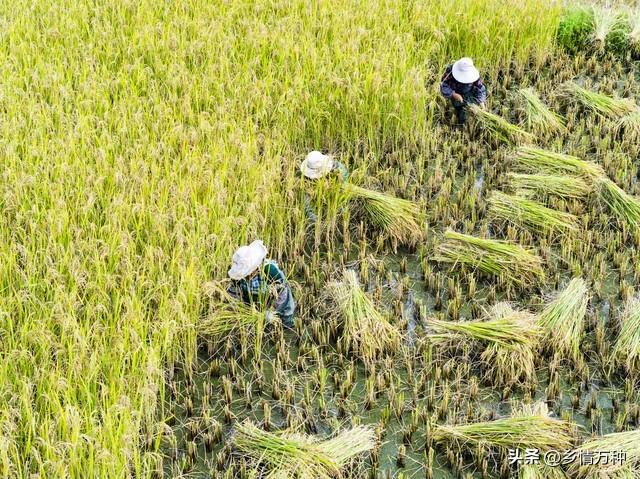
(141, 141)
(501, 128)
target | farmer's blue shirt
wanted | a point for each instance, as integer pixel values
(256, 290)
(474, 92)
(308, 208)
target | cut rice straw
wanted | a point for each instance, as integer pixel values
(538, 116)
(401, 219)
(366, 328)
(501, 128)
(541, 470)
(625, 207)
(295, 455)
(500, 258)
(538, 160)
(529, 214)
(610, 107)
(228, 314)
(629, 125)
(563, 319)
(509, 337)
(518, 432)
(625, 444)
(626, 351)
(544, 186)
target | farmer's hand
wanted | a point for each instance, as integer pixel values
(270, 317)
(483, 105)
(457, 97)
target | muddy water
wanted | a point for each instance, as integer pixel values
(352, 410)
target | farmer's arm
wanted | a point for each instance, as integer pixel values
(341, 167)
(284, 304)
(234, 291)
(446, 87)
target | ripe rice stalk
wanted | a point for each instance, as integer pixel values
(626, 351)
(500, 258)
(530, 431)
(368, 330)
(629, 125)
(539, 160)
(610, 107)
(530, 214)
(284, 454)
(627, 443)
(563, 319)
(625, 207)
(538, 116)
(501, 128)
(228, 314)
(401, 219)
(544, 186)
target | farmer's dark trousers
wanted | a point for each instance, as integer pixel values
(461, 111)
(461, 108)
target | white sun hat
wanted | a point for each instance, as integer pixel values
(247, 259)
(464, 71)
(316, 165)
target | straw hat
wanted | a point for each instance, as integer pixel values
(464, 71)
(316, 165)
(247, 259)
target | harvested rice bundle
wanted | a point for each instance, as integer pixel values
(501, 128)
(610, 107)
(537, 471)
(510, 261)
(510, 339)
(228, 317)
(566, 187)
(367, 329)
(514, 362)
(538, 160)
(538, 116)
(620, 443)
(624, 206)
(530, 431)
(563, 319)
(399, 218)
(626, 351)
(530, 214)
(629, 125)
(508, 327)
(295, 455)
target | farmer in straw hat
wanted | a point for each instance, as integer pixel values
(256, 280)
(462, 85)
(315, 166)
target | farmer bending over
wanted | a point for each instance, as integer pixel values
(315, 166)
(256, 280)
(462, 85)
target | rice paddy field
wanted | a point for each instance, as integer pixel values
(469, 291)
